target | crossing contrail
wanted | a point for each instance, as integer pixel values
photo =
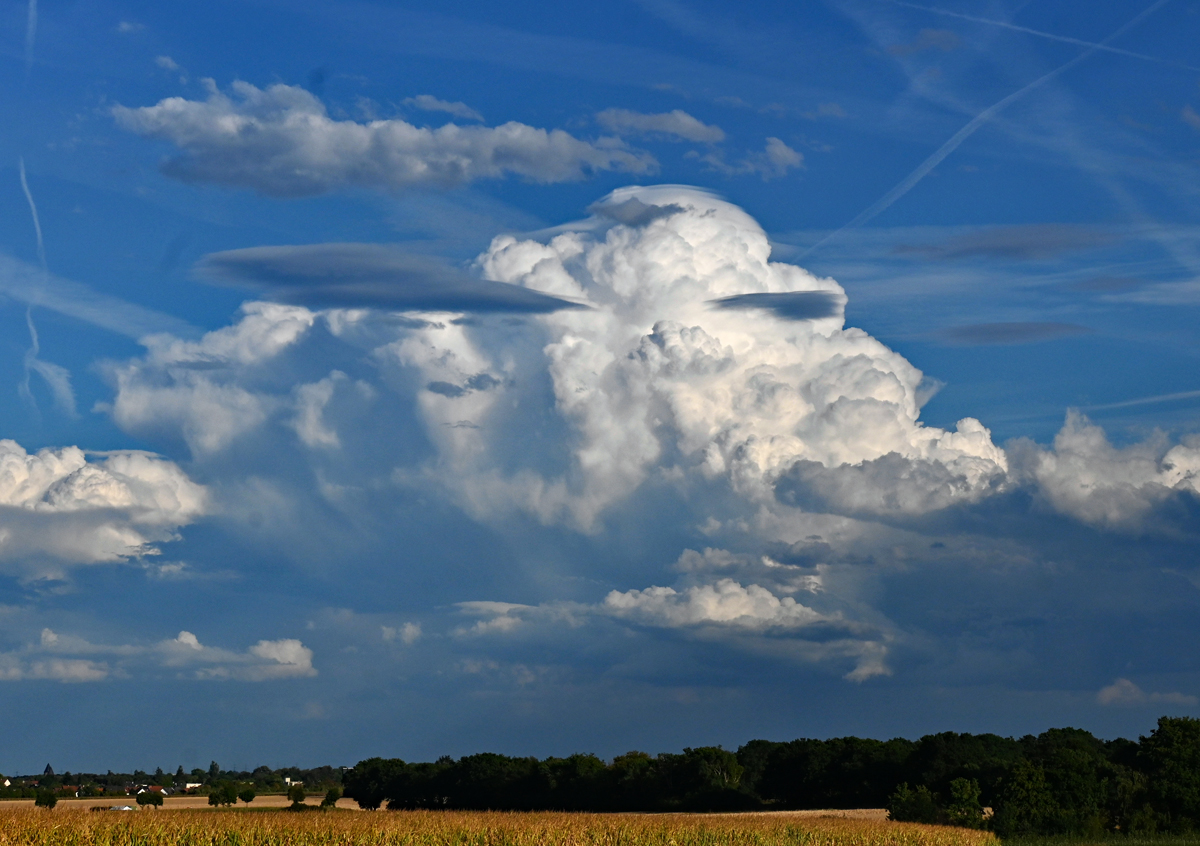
(967, 131)
(1065, 39)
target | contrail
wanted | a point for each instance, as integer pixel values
(57, 378)
(30, 35)
(37, 226)
(1047, 35)
(967, 131)
(1145, 401)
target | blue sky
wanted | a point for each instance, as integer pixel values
(541, 379)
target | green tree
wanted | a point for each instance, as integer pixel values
(1024, 804)
(223, 793)
(45, 799)
(150, 797)
(1170, 757)
(214, 771)
(964, 809)
(332, 795)
(246, 794)
(295, 794)
(909, 805)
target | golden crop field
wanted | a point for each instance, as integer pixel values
(21, 827)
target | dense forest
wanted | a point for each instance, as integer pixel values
(1063, 781)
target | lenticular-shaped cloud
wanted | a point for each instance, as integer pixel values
(281, 141)
(57, 508)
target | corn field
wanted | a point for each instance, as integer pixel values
(28, 827)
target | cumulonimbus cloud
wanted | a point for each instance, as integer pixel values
(281, 141)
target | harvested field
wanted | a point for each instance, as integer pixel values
(29, 827)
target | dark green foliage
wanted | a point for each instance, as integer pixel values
(45, 799)
(1170, 757)
(295, 794)
(223, 792)
(909, 805)
(246, 794)
(150, 798)
(964, 809)
(331, 797)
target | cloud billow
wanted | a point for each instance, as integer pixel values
(280, 141)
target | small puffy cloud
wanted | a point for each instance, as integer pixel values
(407, 634)
(166, 63)
(723, 603)
(61, 657)
(57, 508)
(774, 161)
(1190, 117)
(281, 141)
(429, 103)
(267, 660)
(127, 27)
(1124, 692)
(676, 124)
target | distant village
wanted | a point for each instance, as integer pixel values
(262, 781)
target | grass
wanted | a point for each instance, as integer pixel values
(29, 827)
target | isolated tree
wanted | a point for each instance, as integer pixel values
(223, 793)
(331, 797)
(150, 797)
(45, 799)
(247, 795)
(214, 771)
(296, 794)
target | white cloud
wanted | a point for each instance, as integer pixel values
(1085, 476)
(408, 634)
(653, 375)
(675, 123)
(202, 389)
(772, 162)
(166, 63)
(429, 103)
(281, 141)
(724, 603)
(57, 508)
(267, 660)
(1125, 692)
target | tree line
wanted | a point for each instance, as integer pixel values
(1063, 781)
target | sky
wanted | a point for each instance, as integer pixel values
(543, 378)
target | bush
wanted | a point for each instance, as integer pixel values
(247, 795)
(331, 797)
(150, 797)
(45, 799)
(296, 794)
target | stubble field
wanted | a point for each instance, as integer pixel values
(27, 827)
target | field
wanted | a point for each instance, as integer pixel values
(29, 827)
